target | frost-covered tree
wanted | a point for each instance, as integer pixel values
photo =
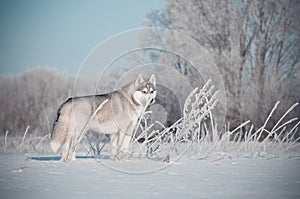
(31, 99)
(255, 45)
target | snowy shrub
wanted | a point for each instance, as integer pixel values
(29, 143)
(196, 134)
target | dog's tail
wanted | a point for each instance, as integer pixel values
(59, 132)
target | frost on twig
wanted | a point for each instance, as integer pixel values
(198, 107)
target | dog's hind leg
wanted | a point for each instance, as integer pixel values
(67, 154)
(124, 145)
(114, 146)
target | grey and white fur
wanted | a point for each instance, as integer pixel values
(118, 117)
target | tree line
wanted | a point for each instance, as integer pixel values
(255, 44)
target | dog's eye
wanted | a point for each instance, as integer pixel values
(151, 92)
(144, 91)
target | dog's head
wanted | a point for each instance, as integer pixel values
(145, 91)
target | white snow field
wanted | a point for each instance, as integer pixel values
(22, 176)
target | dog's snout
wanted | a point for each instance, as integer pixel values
(152, 101)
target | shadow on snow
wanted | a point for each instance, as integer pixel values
(57, 158)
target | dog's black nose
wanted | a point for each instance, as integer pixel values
(152, 101)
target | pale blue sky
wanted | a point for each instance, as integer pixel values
(61, 33)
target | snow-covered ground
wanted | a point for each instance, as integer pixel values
(24, 177)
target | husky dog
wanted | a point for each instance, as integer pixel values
(118, 117)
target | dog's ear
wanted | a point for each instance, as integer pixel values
(139, 80)
(152, 79)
